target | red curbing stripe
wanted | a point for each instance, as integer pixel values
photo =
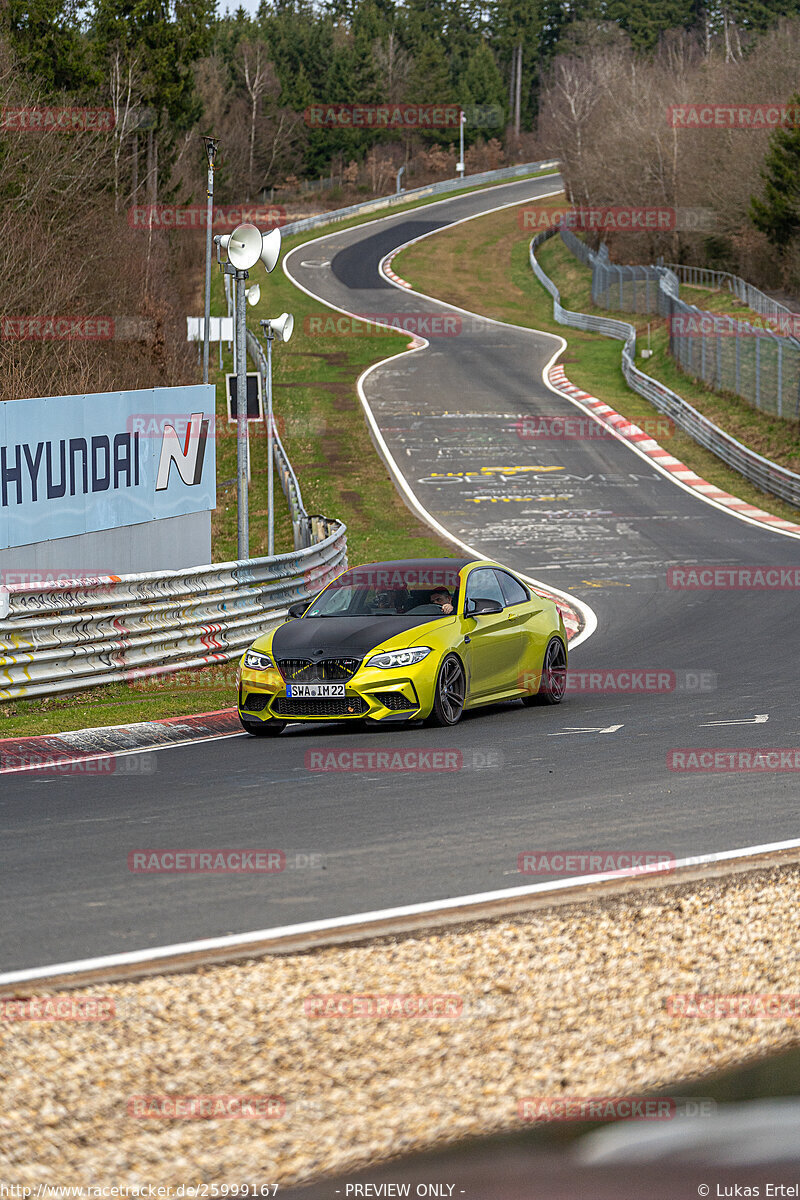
(609, 416)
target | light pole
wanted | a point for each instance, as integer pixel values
(276, 327)
(460, 163)
(211, 153)
(245, 246)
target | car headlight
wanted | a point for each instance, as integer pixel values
(254, 660)
(399, 658)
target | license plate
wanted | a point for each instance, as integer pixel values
(299, 691)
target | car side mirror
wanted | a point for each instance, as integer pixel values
(477, 607)
(297, 610)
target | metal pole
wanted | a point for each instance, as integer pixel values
(270, 513)
(211, 150)
(461, 145)
(243, 522)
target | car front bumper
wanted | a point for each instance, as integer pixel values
(371, 694)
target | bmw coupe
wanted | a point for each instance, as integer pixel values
(417, 639)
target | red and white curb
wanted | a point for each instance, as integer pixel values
(48, 753)
(386, 267)
(649, 446)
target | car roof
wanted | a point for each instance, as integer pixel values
(453, 564)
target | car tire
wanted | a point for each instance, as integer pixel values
(450, 693)
(553, 683)
(262, 728)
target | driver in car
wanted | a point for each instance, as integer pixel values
(442, 597)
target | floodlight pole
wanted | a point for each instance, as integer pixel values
(211, 153)
(243, 516)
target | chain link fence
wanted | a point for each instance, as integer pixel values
(726, 351)
(769, 476)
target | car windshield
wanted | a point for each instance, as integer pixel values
(391, 591)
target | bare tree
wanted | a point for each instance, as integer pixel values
(259, 79)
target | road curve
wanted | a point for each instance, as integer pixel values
(528, 781)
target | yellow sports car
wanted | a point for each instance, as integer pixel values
(404, 641)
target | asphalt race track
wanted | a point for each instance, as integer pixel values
(586, 515)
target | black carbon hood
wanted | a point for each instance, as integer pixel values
(338, 637)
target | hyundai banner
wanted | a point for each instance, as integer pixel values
(78, 464)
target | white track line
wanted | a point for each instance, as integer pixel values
(588, 614)
(133, 957)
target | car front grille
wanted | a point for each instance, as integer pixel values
(311, 706)
(395, 700)
(324, 670)
(255, 701)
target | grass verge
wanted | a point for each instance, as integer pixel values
(500, 275)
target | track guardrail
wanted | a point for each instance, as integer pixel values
(430, 189)
(68, 635)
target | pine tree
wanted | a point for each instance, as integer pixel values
(778, 213)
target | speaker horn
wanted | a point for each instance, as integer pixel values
(281, 326)
(253, 294)
(243, 246)
(271, 249)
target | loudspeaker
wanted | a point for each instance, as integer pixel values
(253, 294)
(282, 326)
(271, 249)
(243, 246)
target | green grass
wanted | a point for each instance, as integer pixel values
(338, 468)
(501, 278)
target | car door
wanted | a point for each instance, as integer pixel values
(495, 640)
(526, 614)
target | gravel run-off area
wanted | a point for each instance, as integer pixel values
(568, 1001)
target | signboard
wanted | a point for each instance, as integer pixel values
(78, 464)
(255, 410)
(220, 329)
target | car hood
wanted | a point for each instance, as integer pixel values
(347, 637)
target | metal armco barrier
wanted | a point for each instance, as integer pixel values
(769, 476)
(65, 636)
(431, 189)
(305, 529)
